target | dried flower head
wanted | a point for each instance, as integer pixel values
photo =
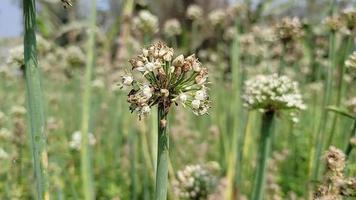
(288, 29)
(349, 18)
(196, 181)
(333, 180)
(334, 23)
(194, 12)
(273, 93)
(146, 22)
(164, 80)
(335, 159)
(172, 28)
(217, 17)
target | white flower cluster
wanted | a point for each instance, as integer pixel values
(351, 61)
(289, 29)
(166, 80)
(146, 22)
(172, 28)
(194, 12)
(3, 154)
(76, 140)
(196, 181)
(16, 56)
(217, 17)
(273, 93)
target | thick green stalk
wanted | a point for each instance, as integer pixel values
(162, 155)
(340, 89)
(34, 101)
(87, 184)
(154, 139)
(264, 151)
(235, 112)
(326, 101)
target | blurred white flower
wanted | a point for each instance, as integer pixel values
(76, 140)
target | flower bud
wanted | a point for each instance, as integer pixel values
(178, 61)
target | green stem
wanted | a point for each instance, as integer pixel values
(34, 100)
(326, 101)
(264, 151)
(87, 184)
(162, 155)
(340, 90)
(352, 134)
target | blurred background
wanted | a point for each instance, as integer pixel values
(235, 40)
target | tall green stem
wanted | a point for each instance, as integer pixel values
(87, 184)
(162, 155)
(326, 101)
(264, 151)
(34, 101)
(340, 84)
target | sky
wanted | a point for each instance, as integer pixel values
(10, 19)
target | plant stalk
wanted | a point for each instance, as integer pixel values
(264, 151)
(34, 100)
(162, 155)
(326, 102)
(86, 170)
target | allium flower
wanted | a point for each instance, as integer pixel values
(349, 18)
(196, 182)
(333, 180)
(3, 154)
(335, 160)
(16, 56)
(146, 22)
(351, 61)
(288, 29)
(194, 12)
(75, 56)
(334, 23)
(166, 80)
(272, 93)
(172, 28)
(217, 17)
(75, 142)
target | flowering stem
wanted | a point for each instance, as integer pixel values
(34, 101)
(87, 184)
(352, 134)
(162, 155)
(264, 151)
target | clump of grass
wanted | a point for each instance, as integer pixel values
(165, 81)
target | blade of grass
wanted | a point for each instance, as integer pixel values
(87, 184)
(34, 101)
